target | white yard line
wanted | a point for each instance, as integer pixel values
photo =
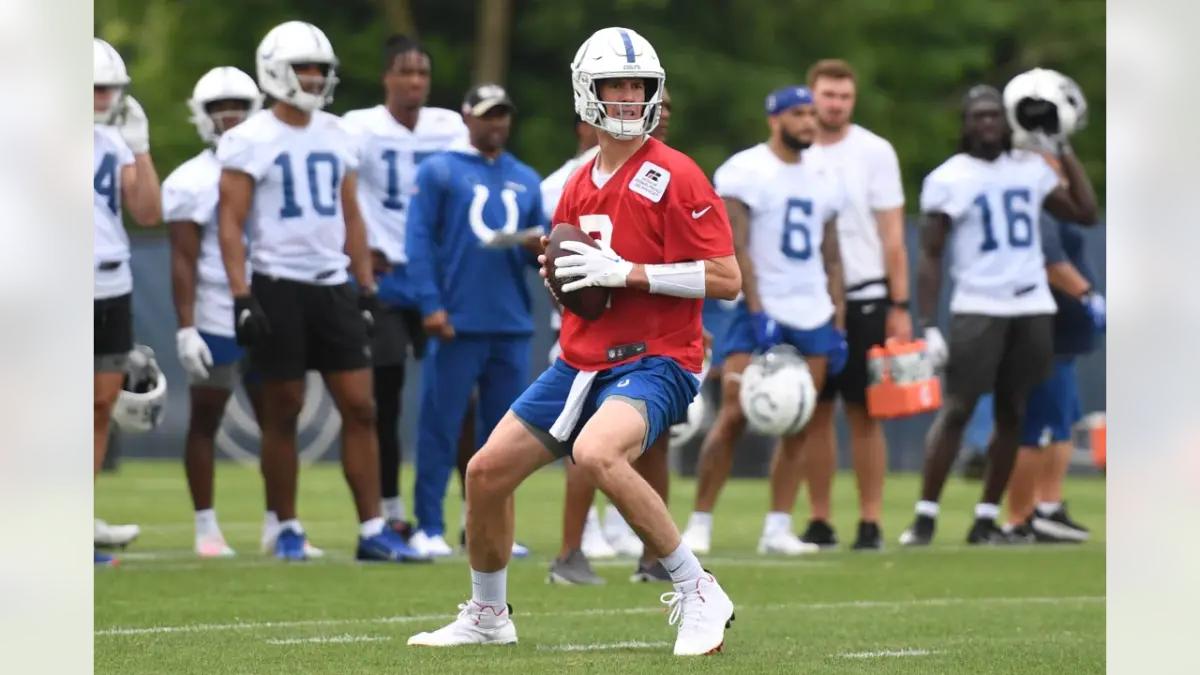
(792, 606)
(330, 640)
(602, 646)
(886, 653)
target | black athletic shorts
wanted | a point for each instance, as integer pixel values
(866, 326)
(396, 330)
(312, 328)
(998, 353)
(112, 339)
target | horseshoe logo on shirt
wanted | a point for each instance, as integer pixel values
(484, 233)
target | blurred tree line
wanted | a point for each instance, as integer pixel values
(915, 59)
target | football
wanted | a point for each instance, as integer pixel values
(588, 303)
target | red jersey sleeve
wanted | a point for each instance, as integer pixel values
(696, 225)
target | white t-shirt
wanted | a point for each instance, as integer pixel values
(869, 174)
(552, 185)
(111, 154)
(789, 206)
(389, 153)
(994, 207)
(296, 226)
(190, 194)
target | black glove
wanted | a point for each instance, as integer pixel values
(249, 321)
(368, 306)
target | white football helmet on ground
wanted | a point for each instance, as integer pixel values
(285, 46)
(108, 70)
(777, 393)
(617, 53)
(223, 83)
(1043, 104)
(142, 401)
(685, 431)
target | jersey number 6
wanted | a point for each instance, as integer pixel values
(797, 241)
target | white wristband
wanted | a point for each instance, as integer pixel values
(682, 280)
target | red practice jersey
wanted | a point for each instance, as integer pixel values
(659, 207)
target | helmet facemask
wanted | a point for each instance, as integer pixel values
(596, 110)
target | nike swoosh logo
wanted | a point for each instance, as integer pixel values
(623, 383)
(697, 214)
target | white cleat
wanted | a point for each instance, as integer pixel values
(595, 546)
(270, 533)
(698, 538)
(703, 612)
(108, 536)
(430, 547)
(213, 546)
(785, 543)
(477, 624)
(620, 536)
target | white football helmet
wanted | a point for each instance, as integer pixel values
(685, 431)
(286, 45)
(1043, 104)
(777, 393)
(222, 83)
(142, 402)
(108, 70)
(617, 53)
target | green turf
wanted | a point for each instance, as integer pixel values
(946, 609)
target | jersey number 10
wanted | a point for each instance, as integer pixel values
(1020, 222)
(291, 208)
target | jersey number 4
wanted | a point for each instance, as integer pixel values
(1016, 212)
(797, 239)
(105, 180)
(291, 208)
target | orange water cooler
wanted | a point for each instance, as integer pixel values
(901, 381)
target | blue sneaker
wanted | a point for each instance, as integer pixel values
(388, 546)
(103, 559)
(289, 545)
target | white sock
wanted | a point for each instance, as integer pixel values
(293, 525)
(925, 508)
(371, 527)
(682, 564)
(490, 588)
(1047, 508)
(270, 520)
(987, 511)
(393, 508)
(206, 523)
(777, 521)
(700, 519)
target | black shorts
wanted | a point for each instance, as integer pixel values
(312, 328)
(396, 330)
(866, 326)
(998, 353)
(112, 338)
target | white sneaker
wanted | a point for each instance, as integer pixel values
(784, 543)
(213, 546)
(270, 533)
(698, 538)
(595, 546)
(703, 612)
(430, 547)
(476, 624)
(114, 535)
(620, 536)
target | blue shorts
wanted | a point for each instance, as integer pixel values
(717, 316)
(1053, 406)
(657, 385)
(230, 362)
(739, 338)
(225, 350)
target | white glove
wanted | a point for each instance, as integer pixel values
(935, 348)
(131, 122)
(193, 352)
(597, 267)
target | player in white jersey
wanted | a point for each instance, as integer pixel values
(875, 264)
(990, 197)
(290, 173)
(393, 137)
(122, 172)
(784, 215)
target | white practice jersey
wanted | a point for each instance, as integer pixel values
(552, 185)
(869, 173)
(389, 153)
(996, 250)
(190, 194)
(296, 227)
(110, 254)
(789, 206)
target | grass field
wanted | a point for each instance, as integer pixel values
(946, 609)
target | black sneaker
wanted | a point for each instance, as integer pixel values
(1021, 533)
(869, 538)
(1058, 526)
(820, 533)
(985, 531)
(652, 572)
(920, 533)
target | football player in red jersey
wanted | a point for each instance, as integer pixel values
(624, 378)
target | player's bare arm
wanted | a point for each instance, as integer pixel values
(1076, 201)
(356, 234)
(895, 263)
(1064, 276)
(934, 232)
(141, 191)
(739, 221)
(185, 251)
(237, 194)
(831, 256)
